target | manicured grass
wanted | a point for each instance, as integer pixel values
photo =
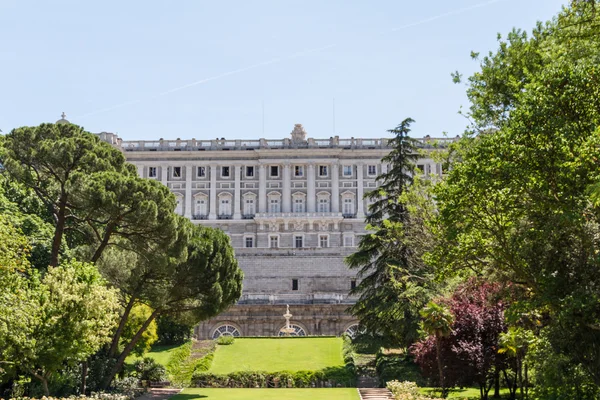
(466, 393)
(161, 354)
(268, 394)
(278, 354)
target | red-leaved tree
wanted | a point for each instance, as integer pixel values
(470, 352)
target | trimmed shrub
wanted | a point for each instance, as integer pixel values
(342, 376)
(149, 370)
(225, 340)
(203, 364)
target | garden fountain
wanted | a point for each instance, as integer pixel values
(287, 330)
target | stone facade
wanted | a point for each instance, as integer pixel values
(293, 208)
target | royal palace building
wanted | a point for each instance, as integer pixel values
(293, 208)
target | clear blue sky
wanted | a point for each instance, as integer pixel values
(114, 65)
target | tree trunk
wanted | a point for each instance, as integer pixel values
(117, 367)
(520, 376)
(440, 367)
(42, 379)
(107, 233)
(59, 230)
(117, 336)
(496, 381)
(84, 371)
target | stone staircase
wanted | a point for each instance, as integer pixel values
(375, 394)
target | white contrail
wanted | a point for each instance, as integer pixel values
(281, 59)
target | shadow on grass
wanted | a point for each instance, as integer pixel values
(188, 397)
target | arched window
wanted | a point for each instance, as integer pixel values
(298, 331)
(323, 202)
(179, 204)
(224, 204)
(274, 202)
(200, 205)
(353, 330)
(225, 330)
(299, 202)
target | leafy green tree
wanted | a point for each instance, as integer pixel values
(52, 160)
(437, 321)
(395, 284)
(203, 283)
(49, 322)
(139, 314)
(518, 203)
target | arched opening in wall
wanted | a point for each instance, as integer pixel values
(225, 330)
(298, 331)
(353, 330)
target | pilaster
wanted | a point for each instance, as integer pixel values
(287, 189)
(212, 202)
(188, 192)
(237, 193)
(310, 191)
(360, 212)
(140, 169)
(335, 187)
(262, 189)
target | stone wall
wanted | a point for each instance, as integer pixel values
(267, 320)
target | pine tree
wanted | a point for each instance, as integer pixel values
(390, 293)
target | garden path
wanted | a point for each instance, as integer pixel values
(159, 394)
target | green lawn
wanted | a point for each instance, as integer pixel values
(161, 354)
(268, 394)
(467, 393)
(278, 354)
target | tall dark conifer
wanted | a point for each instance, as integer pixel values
(389, 295)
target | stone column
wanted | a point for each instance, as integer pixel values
(335, 187)
(287, 189)
(164, 174)
(212, 204)
(237, 193)
(188, 192)
(310, 192)
(262, 189)
(140, 169)
(360, 211)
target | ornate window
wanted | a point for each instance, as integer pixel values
(226, 330)
(249, 171)
(348, 241)
(299, 202)
(249, 241)
(298, 241)
(347, 170)
(224, 204)
(298, 171)
(323, 202)
(348, 208)
(274, 202)
(249, 205)
(200, 208)
(298, 331)
(372, 170)
(151, 172)
(176, 172)
(225, 172)
(201, 172)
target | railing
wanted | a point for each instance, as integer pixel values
(248, 216)
(224, 216)
(222, 144)
(317, 215)
(346, 215)
(200, 216)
